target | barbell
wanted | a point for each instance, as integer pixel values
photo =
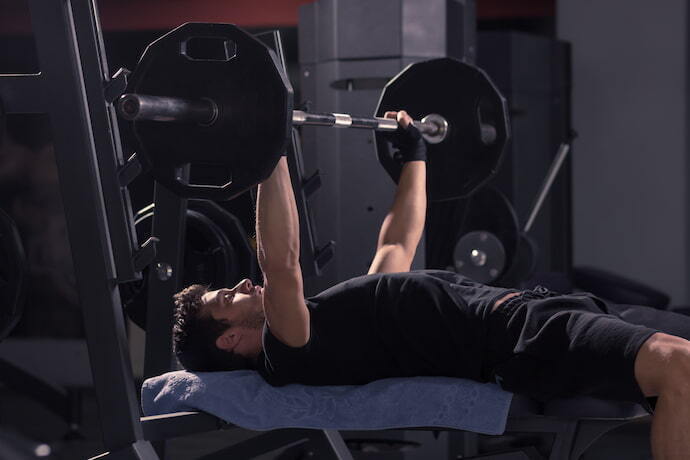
(214, 97)
(205, 112)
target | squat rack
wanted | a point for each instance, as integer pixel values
(69, 88)
(74, 89)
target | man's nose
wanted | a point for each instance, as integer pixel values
(245, 285)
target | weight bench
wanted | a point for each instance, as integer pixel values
(182, 403)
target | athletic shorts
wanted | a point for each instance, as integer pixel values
(550, 346)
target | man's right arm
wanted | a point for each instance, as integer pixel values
(278, 248)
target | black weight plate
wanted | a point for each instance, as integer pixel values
(465, 96)
(246, 265)
(209, 258)
(216, 253)
(523, 264)
(254, 99)
(480, 255)
(2, 123)
(490, 211)
(12, 275)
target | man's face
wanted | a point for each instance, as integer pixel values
(242, 308)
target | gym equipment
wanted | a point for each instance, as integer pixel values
(2, 124)
(493, 249)
(470, 152)
(222, 100)
(13, 269)
(12, 275)
(480, 255)
(217, 253)
(205, 112)
(489, 237)
(619, 289)
(524, 264)
(69, 43)
(247, 135)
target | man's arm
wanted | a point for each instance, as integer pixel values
(278, 248)
(403, 226)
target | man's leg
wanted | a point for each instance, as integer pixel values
(663, 320)
(662, 368)
(564, 346)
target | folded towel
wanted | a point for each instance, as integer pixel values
(244, 399)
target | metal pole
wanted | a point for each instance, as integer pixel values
(563, 150)
(63, 88)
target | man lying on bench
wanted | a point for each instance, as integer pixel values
(399, 323)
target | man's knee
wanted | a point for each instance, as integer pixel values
(662, 366)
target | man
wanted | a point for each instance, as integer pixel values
(394, 322)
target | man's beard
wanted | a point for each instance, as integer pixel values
(254, 320)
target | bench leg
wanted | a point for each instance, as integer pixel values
(140, 450)
(329, 444)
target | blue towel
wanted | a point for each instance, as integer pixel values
(244, 399)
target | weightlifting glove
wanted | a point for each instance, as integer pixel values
(409, 143)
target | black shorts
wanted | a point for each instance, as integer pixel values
(550, 346)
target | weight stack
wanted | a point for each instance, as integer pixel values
(533, 73)
(348, 50)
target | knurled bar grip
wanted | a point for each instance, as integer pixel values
(343, 120)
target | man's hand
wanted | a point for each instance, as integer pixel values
(406, 139)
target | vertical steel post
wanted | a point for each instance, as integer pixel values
(63, 88)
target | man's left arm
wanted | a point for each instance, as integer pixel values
(403, 226)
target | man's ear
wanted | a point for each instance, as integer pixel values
(227, 340)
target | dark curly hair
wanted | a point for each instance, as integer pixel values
(195, 334)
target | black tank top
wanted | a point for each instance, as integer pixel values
(426, 322)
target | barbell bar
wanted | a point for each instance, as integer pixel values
(205, 112)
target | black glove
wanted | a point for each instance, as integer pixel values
(409, 142)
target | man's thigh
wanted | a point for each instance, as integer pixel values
(665, 321)
(569, 345)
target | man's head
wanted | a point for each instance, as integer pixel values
(220, 329)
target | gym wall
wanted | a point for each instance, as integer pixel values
(630, 166)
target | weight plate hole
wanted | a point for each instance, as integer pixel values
(209, 49)
(356, 84)
(487, 121)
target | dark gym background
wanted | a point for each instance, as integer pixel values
(623, 205)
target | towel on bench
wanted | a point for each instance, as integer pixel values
(244, 399)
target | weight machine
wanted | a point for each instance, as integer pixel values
(75, 89)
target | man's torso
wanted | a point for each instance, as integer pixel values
(425, 322)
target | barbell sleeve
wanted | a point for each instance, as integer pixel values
(143, 107)
(136, 107)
